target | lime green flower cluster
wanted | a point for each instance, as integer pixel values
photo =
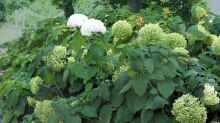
(56, 60)
(188, 109)
(35, 84)
(198, 12)
(209, 95)
(44, 111)
(150, 33)
(121, 30)
(175, 40)
(216, 46)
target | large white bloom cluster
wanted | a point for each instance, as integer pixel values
(210, 95)
(76, 20)
(88, 26)
(92, 26)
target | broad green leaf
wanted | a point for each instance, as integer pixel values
(149, 65)
(134, 102)
(81, 71)
(125, 88)
(162, 118)
(89, 111)
(139, 85)
(155, 103)
(105, 114)
(146, 116)
(166, 88)
(123, 115)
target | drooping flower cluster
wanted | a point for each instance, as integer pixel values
(35, 84)
(56, 59)
(88, 26)
(44, 111)
(216, 46)
(150, 33)
(121, 30)
(188, 109)
(209, 95)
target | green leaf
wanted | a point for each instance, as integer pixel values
(149, 65)
(76, 119)
(81, 71)
(166, 88)
(123, 115)
(162, 118)
(89, 111)
(139, 85)
(155, 103)
(134, 102)
(105, 114)
(146, 116)
(65, 75)
(125, 88)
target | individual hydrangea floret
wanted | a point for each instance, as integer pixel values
(150, 33)
(209, 95)
(92, 26)
(121, 30)
(198, 12)
(188, 109)
(56, 60)
(176, 40)
(76, 20)
(35, 83)
(216, 47)
(44, 111)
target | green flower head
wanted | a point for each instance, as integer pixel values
(198, 12)
(216, 46)
(56, 59)
(188, 109)
(150, 33)
(121, 30)
(44, 111)
(36, 82)
(59, 51)
(175, 40)
(209, 95)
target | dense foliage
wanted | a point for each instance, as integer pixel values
(158, 65)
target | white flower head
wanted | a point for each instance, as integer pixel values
(210, 95)
(92, 26)
(76, 20)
